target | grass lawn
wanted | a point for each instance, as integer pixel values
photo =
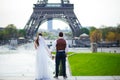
(95, 64)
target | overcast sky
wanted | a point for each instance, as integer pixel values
(88, 12)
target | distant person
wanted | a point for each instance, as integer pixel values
(43, 60)
(61, 52)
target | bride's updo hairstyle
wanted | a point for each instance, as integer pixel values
(37, 40)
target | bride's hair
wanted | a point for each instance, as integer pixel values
(37, 40)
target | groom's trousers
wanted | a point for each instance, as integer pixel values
(60, 57)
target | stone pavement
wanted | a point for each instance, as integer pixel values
(69, 78)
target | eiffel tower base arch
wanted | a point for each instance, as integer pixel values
(42, 12)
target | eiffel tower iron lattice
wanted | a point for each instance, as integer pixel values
(43, 11)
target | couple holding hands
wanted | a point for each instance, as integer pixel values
(44, 58)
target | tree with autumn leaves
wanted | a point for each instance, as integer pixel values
(96, 36)
(110, 37)
(108, 34)
(111, 34)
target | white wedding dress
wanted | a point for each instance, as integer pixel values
(44, 64)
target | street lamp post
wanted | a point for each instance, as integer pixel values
(101, 44)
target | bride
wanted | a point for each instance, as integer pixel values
(44, 63)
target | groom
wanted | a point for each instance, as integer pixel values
(61, 52)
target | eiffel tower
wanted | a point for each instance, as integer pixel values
(43, 11)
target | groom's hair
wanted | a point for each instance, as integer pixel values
(60, 34)
(40, 34)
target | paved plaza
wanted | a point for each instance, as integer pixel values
(20, 64)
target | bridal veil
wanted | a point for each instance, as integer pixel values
(44, 64)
